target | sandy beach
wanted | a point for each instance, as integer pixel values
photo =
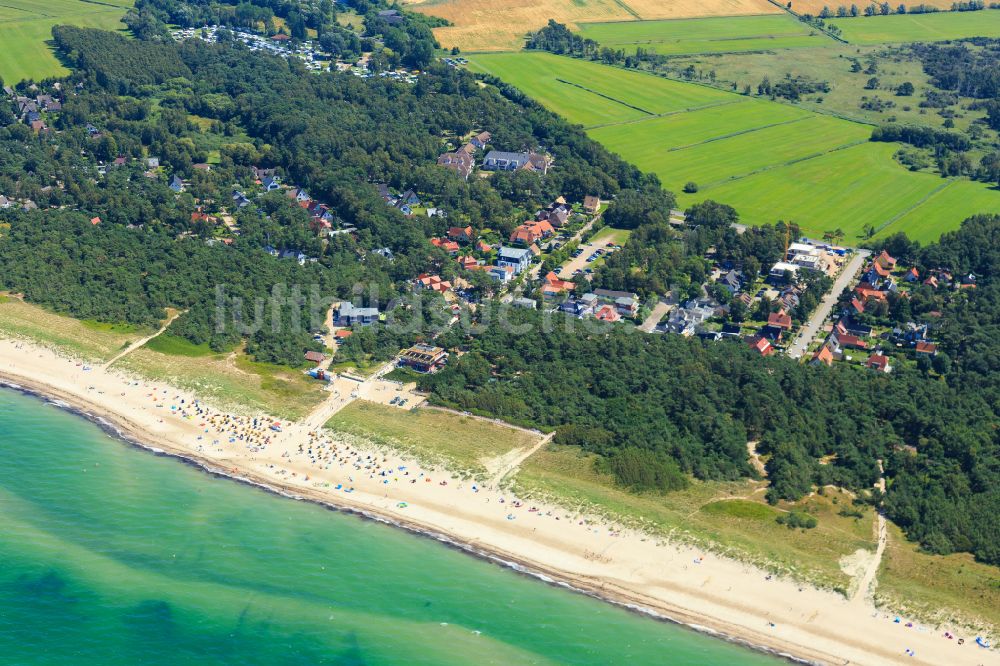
(676, 582)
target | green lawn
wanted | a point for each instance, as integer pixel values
(919, 27)
(26, 32)
(592, 94)
(770, 161)
(706, 35)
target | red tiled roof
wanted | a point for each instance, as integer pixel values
(878, 362)
(824, 355)
(761, 345)
(926, 347)
(780, 320)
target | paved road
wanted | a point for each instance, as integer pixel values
(811, 327)
(661, 308)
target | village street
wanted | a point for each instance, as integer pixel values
(812, 327)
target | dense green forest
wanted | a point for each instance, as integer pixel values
(699, 404)
(334, 134)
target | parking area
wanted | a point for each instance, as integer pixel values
(586, 257)
(392, 393)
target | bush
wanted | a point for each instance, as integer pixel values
(641, 470)
(795, 519)
(691, 187)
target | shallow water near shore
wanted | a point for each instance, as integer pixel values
(113, 555)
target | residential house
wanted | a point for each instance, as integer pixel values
(625, 302)
(591, 204)
(468, 263)
(824, 356)
(760, 345)
(530, 232)
(152, 162)
(968, 282)
(924, 347)
(912, 275)
(777, 323)
(537, 163)
(461, 162)
(524, 303)
(271, 183)
(878, 362)
(410, 197)
(885, 261)
(517, 258)
(503, 273)
(461, 234)
(556, 215)
(496, 160)
(782, 269)
(431, 283)
(176, 184)
(342, 334)
(260, 174)
(554, 286)
(483, 246)
(424, 358)
(385, 193)
(732, 281)
(4, 202)
(481, 140)
(580, 307)
(607, 313)
(349, 314)
(451, 247)
(240, 200)
(201, 166)
(931, 281)
(847, 341)
(687, 319)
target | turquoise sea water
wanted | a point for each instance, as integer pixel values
(112, 555)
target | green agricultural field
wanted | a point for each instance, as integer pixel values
(688, 129)
(935, 27)
(737, 155)
(592, 94)
(770, 161)
(706, 35)
(846, 189)
(26, 32)
(926, 222)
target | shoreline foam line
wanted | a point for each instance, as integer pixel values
(124, 433)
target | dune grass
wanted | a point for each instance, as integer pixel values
(86, 340)
(938, 587)
(230, 380)
(730, 518)
(459, 442)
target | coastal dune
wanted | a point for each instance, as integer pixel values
(588, 553)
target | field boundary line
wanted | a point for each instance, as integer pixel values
(804, 158)
(665, 114)
(676, 20)
(930, 195)
(739, 133)
(628, 9)
(607, 97)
